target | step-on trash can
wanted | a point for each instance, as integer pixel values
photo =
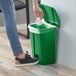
(44, 37)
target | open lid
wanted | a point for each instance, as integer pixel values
(50, 15)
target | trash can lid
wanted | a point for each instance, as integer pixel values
(50, 15)
(40, 29)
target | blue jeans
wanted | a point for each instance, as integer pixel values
(8, 10)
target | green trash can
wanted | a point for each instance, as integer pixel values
(43, 37)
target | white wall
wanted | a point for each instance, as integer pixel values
(67, 32)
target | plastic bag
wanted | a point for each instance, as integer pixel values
(39, 21)
(42, 24)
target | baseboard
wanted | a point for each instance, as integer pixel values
(21, 26)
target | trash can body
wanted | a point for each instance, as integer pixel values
(43, 40)
(44, 46)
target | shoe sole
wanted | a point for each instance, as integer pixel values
(27, 64)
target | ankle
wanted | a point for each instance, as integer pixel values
(21, 56)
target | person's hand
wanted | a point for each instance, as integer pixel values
(38, 12)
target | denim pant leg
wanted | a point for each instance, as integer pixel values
(8, 10)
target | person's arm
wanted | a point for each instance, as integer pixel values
(35, 3)
(36, 9)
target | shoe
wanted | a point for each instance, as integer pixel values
(28, 60)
